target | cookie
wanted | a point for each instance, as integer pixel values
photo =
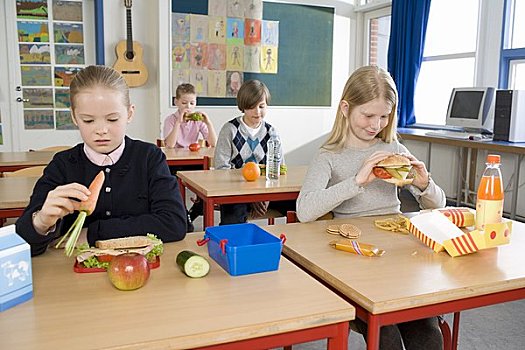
(333, 229)
(349, 231)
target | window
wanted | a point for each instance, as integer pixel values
(449, 57)
(377, 26)
(512, 69)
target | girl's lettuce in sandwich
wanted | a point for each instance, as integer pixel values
(100, 256)
(395, 169)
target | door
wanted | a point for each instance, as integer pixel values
(47, 41)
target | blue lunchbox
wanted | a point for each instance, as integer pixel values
(243, 249)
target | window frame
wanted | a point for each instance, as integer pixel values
(507, 55)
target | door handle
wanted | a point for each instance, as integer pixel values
(20, 99)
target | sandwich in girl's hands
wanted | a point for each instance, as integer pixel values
(195, 116)
(98, 258)
(395, 169)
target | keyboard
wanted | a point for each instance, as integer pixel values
(459, 135)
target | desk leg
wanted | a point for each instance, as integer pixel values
(208, 212)
(340, 340)
(372, 338)
(182, 190)
(515, 185)
(459, 177)
(455, 331)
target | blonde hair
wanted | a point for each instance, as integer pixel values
(98, 76)
(251, 93)
(364, 85)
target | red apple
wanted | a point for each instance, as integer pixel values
(194, 147)
(128, 271)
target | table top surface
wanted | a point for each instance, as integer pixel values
(25, 158)
(15, 191)
(186, 154)
(229, 182)
(500, 146)
(409, 274)
(84, 311)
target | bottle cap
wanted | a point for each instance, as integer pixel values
(493, 158)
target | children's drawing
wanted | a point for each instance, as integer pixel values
(180, 55)
(235, 31)
(62, 98)
(64, 121)
(179, 76)
(252, 59)
(67, 11)
(37, 98)
(34, 53)
(199, 56)
(252, 32)
(270, 33)
(217, 8)
(32, 32)
(217, 83)
(216, 56)
(64, 75)
(36, 75)
(253, 9)
(269, 59)
(180, 27)
(198, 28)
(233, 83)
(217, 30)
(31, 9)
(69, 54)
(199, 79)
(235, 8)
(68, 33)
(38, 119)
(235, 57)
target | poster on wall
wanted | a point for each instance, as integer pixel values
(215, 49)
(36, 75)
(34, 53)
(38, 119)
(64, 121)
(67, 11)
(31, 9)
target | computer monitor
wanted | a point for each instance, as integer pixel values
(472, 109)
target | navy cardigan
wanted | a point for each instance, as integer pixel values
(139, 196)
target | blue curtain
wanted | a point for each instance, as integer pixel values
(405, 52)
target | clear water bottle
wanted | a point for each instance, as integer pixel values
(273, 158)
(489, 204)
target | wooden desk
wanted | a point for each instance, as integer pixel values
(14, 195)
(184, 157)
(12, 161)
(228, 186)
(410, 281)
(515, 148)
(84, 311)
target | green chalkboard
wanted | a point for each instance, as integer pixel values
(304, 75)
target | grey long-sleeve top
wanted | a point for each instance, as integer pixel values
(330, 186)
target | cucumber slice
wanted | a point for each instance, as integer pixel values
(192, 264)
(394, 173)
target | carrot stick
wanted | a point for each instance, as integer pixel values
(85, 208)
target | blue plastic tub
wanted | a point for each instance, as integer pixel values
(243, 248)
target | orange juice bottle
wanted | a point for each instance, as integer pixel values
(489, 204)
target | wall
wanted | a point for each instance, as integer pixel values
(299, 127)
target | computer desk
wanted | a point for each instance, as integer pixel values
(515, 148)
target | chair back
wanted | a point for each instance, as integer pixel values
(34, 171)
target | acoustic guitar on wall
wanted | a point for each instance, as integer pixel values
(129, 56)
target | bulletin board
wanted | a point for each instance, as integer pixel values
(304, 76)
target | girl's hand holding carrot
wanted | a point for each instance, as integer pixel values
(60, 202)
(85, 208)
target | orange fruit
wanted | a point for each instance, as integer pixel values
(251, 171)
